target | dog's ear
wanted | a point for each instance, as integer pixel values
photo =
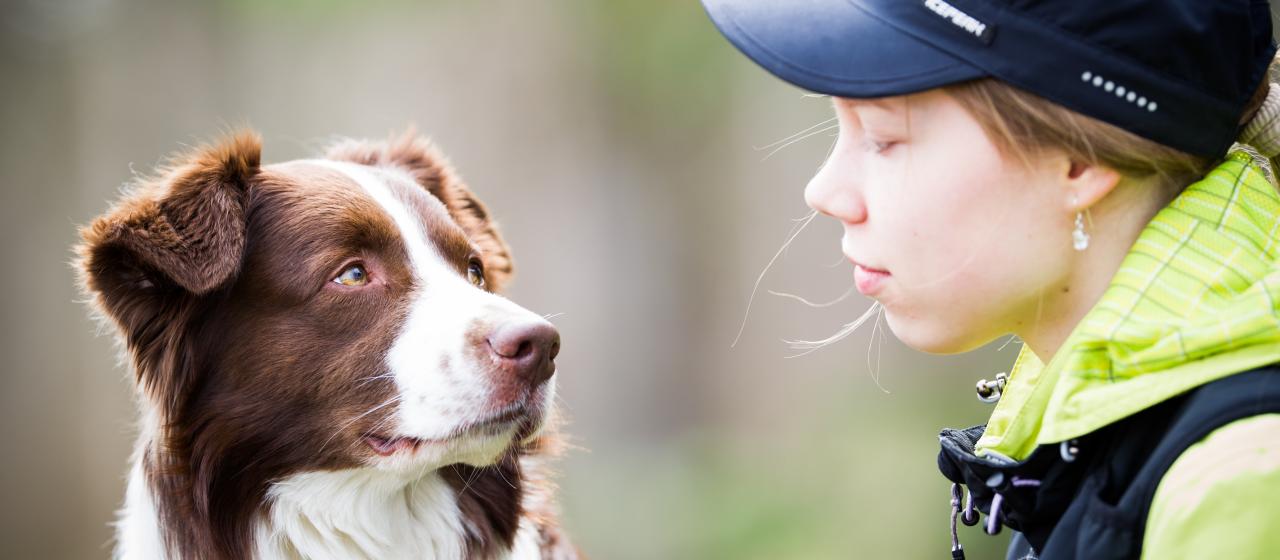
(416, 155)
(174, 237)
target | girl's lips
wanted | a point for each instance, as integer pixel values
(868, 280)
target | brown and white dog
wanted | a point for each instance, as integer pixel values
(324, 366)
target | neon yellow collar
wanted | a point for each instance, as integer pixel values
(1196, 299)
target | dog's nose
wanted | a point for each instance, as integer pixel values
(528, 347)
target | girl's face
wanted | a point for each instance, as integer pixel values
(959, 242)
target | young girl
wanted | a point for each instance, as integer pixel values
(1067, 172)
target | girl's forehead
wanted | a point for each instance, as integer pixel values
(926, 104)
(896, 106)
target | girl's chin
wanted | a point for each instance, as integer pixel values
(932, 335)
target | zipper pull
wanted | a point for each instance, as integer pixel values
(957, 551)
(990, 391)
(1069, 450)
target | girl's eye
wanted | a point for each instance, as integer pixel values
(475, 273)
(354, 275)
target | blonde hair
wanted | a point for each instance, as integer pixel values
(1022, 125)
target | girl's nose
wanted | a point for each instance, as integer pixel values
(832, 192)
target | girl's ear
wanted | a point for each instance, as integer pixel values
(416, 155)
(1088, 183)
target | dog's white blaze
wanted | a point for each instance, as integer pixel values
(436, 400)
(420, 252)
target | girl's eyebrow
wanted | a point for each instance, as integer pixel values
(883, 112)
(883, 116)
(890, 105)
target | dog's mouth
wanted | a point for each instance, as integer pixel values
(388, 444)
(385, 445)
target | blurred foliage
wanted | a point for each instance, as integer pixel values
(847, 485)
(321, 10)
(662, 64)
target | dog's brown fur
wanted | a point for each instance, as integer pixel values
(204, 270)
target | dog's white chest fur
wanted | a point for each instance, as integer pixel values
(361, 514)
(352, 514)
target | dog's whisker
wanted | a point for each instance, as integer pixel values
(367, 380)
(497, 468)
(560, 402)
(475, 475)
(551, 316)
(355, 444)
(422, 470)
(465, 481)
(379, 425)
(393, 400)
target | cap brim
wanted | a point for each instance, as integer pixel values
(834, 47)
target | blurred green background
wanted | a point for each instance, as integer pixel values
(620, 145)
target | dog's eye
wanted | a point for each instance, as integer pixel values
(354, 275)
(475, 273)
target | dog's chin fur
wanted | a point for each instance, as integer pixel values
(262, 382)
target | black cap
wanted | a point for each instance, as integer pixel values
(1178, 72)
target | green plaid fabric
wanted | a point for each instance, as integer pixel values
(1194, 300)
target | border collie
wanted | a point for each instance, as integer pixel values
(324, 367)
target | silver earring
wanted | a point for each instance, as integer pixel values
(1079, 239)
